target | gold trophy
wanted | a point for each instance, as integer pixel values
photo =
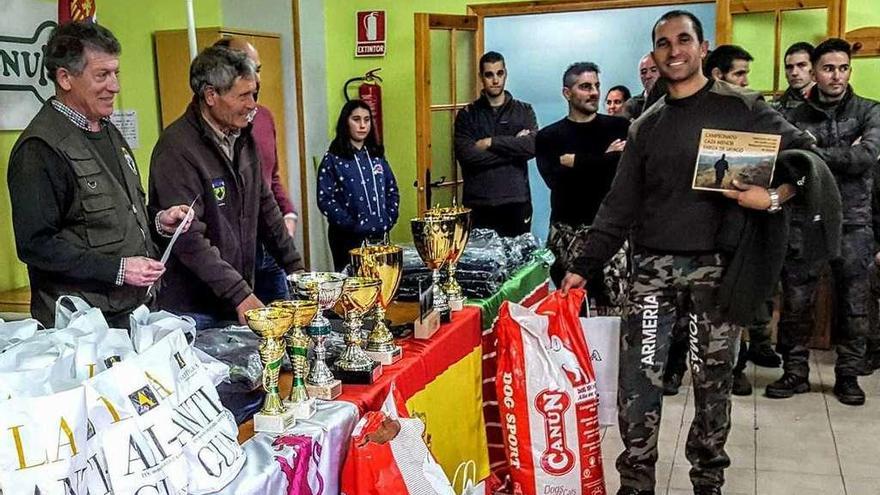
(271, 324)
(462, 218)
(353, 365)
(325, 288)
(384, 262)
(304, 312)
(433, 237)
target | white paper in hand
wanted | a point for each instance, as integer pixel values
(189, 216)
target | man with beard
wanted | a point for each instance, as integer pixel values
(494, 140)
(799, 73)
(847, 130)
(577, 157)
(649, 74)
(677, 254)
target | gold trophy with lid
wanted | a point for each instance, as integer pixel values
(383, 262)
(433, 237)
(462, 230)
(271, 325)
(303, 312)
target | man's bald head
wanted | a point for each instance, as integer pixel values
(648, 72)
(241, 44)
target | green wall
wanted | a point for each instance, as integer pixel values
(752, 31)
(134, 29)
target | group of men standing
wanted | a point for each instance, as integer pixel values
(213, 173)
(614, 180)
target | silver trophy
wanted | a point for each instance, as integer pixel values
(325, 288)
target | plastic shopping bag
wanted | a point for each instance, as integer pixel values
(547, 398)
(161, 423)
(388, 455)
(43, 445)
(603, 338)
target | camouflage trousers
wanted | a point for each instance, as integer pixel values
(660, 284)
(872, 342)
(851, 277)
(566, 242)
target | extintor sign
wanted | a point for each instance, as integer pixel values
(370, 33)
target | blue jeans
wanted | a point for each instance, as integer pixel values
(270, 281)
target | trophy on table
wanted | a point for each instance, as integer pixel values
(304, 312)
(271, 325)
(325, 288)
(384, 262)
(353, 365)
(462, 218)
(433, 237)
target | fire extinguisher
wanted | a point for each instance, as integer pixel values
(371, 94)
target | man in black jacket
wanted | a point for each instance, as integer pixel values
(799, 74)
(78, 210)
(847, 130)
(577, 157)
(677, 254)
(209, 154)
(494, 140)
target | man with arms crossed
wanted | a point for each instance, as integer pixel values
(494, 140)
(676, 254)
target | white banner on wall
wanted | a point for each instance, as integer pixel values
(24, 29)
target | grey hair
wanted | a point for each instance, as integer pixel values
(68, 43)
(219, 67)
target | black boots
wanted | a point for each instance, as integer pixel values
(848, 392)
(787, 386)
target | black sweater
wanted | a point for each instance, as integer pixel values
(576, 192)
(652, 189)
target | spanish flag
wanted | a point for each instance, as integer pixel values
(76, 10)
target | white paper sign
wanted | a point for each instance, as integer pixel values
(127, 123)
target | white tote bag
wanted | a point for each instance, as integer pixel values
(603, 337)
(168, 430)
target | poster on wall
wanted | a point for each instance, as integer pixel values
(24, 30)
(370, 33)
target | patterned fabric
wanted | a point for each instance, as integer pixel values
(120, 276)
(567, 243)
(659, 282)
(852, 288)
(77, 118)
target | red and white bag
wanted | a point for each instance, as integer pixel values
(547, 398)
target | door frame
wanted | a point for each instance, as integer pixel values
(423, 23)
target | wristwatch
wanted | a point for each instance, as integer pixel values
(775, 205)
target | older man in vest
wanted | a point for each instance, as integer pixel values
(78, 211)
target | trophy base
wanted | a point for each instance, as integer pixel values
(301, 410)
(327, 392)
(428, 325)
(456, 303)
(274, 424)
(386, 357)
(358, 377)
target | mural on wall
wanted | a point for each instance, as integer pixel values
(24, 30)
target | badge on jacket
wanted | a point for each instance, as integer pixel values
(129, 160)
(377, 169)
(219, 187)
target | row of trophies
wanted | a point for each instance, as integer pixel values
(285, 327)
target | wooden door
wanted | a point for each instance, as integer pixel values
(446, 80)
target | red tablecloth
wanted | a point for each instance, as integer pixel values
(422, 362)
